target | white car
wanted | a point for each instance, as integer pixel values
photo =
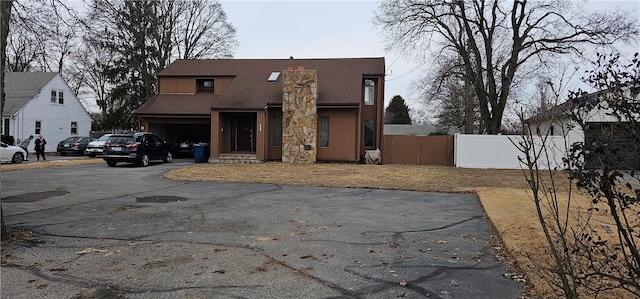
(94, 148)
(11, 154)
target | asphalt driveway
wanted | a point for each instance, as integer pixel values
(126, 232)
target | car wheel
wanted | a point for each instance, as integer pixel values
(168, 158)
(92, 155)
(63, 154)
(112, 163)
(145, 160)
(17, 158)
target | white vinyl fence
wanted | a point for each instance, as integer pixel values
(502, 151)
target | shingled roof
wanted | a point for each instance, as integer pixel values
(21, 87)
(339, 83)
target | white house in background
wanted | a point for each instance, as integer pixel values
(597, 116)
(42, 103)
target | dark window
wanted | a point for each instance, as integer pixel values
(54, 96)
(60, 97)
(38, 127)
(552, 131)
(204, 85)
(369, 139)
(324, 131)
(276, 130)
(74, 128)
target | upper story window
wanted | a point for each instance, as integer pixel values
(369, 91)
(273, 77)
(205, 85)
(57, 97)
(74, 128)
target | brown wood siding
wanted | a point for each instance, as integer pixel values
(220, 84)
(419, 150)
(216, 137)
(342, 135)
(172, 85)
(260, 135)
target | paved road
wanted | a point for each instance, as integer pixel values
(126, 232)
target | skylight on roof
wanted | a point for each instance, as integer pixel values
(273, 77)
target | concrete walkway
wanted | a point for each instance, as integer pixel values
(125, 232)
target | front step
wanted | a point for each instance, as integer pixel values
(235, 159)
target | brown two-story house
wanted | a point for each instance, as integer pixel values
(294, 110)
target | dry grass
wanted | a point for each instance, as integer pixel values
(401, 177)
(504, 194)
(49, 163)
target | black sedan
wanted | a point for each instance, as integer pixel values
(76, 145)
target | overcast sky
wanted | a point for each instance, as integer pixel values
(315, 29)
(333, 29)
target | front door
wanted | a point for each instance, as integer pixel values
(243, 129)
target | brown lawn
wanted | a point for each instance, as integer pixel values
(504, 194)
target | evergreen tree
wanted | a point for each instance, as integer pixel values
(397, 112)
(143, 37)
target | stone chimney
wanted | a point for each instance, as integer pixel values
(299, 116)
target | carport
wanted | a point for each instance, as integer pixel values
(175, 130)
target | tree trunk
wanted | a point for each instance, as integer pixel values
(5, 14)
(469, 117)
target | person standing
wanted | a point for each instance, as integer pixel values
(39, 143)
(25, 146)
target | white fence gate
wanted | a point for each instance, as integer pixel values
(502, 151)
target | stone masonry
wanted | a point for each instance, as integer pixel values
(299, 116)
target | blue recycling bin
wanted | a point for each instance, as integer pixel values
(201, 152)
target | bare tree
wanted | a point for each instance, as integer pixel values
(495, 39)
(451, 94)
(594, 249)
(43, 43)
(203, 31)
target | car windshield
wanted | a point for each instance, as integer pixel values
(72, 139)
(104, 138)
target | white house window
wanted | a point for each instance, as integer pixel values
(74, 128)
(38, 127)
(57, 97)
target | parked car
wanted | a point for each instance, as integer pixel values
(95, 147)
(184, 146)
(139, 148)
(73, 145)
(11, 154)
